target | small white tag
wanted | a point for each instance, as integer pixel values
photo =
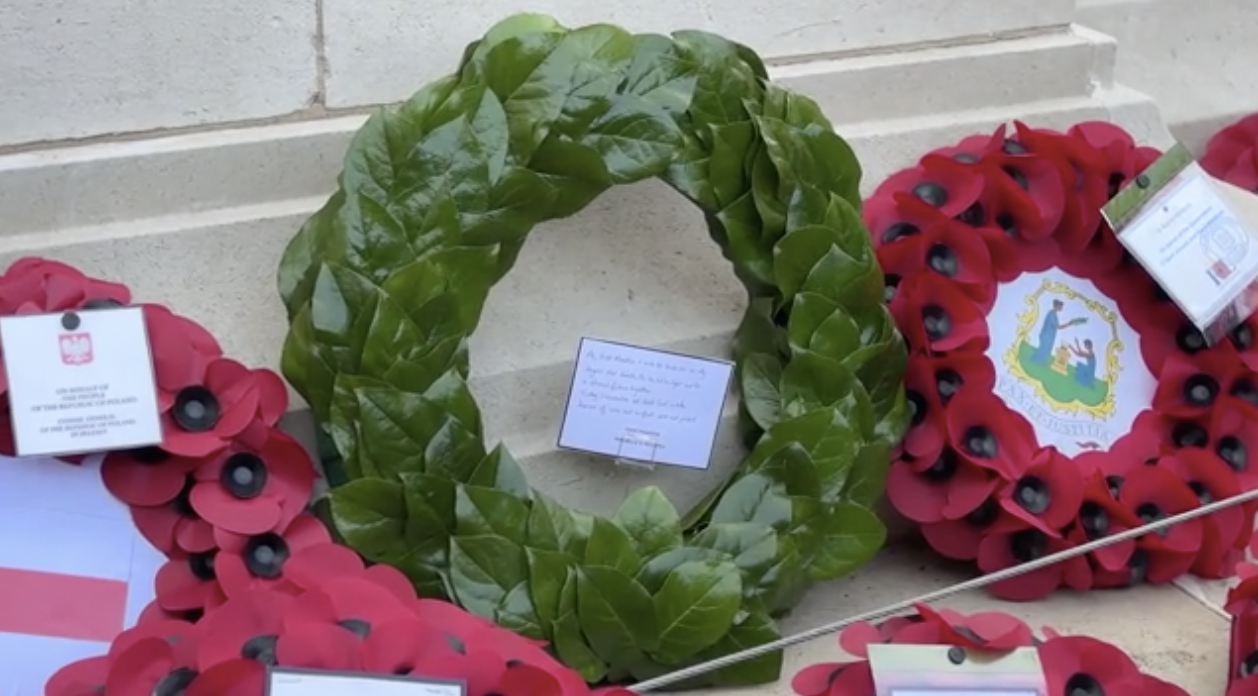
(645, 405)
(80, 381)
(301, 682)
(1194, 245)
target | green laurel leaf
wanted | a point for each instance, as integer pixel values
(385, 284)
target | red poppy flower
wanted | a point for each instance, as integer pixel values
(1190, 385)
(205, 416)
(949, 248)
(239, 677)
(187, 583)
(151, 666)
(1081, 169)
(1029, 189)
(146, 477)
(942, 182)
(257, 561)
(1154, 493)
(1048, 493)
(1101, 515)
(34, 284)
(949, 488)
(986, 433)
(1232, 154)
(988, 630)
(175, 527)
(1233, 431)
(1078, 664)
(960, 539)
(251, 491)
(888, 221)
(934, 314)
(326, 628)
(1225, 531)
(930, 384)
(1242, 687)
(247, 625)
(1007, 549)
(181, 348)
(81, 678)
(1244, 339)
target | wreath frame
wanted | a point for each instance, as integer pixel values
(1026, 202)
(384, 284)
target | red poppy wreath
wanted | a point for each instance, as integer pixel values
(1232, 154)
(1242, 605)
(1058, 394)
(1073, 665)
(251, 578)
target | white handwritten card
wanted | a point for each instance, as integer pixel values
(645, 405)
(301, 682)
(80, 381)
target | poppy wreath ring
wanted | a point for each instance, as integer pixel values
(384, 285)
(1101, 410)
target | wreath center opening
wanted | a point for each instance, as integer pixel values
(1067, 361)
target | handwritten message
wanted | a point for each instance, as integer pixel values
(643, 404)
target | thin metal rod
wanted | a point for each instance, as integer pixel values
(908, 604)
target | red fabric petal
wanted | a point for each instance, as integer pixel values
(316, 564)
(856, 638)
(236, 677)
(81, 678)
(319, 646)
(145, 484)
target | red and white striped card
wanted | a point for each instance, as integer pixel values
(73, 569)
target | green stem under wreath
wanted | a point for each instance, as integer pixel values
(386, 282)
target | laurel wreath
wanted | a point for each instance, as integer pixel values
(386, 282)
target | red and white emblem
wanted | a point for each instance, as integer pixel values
(76, 348)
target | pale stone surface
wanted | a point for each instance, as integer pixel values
(1195, 58)
(387, 53)
(74, 68)
(1168, 633)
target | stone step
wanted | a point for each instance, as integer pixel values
(1194, 58)
(96, 184)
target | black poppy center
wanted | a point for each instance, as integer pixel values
(917, 406)
(264, 555)
(965, 158)
(944, 468)
(1007, 224)
(150, 455)
(1083, 684)
(899, 231)
(196, 409)
(1138, 567)
(182, 503)
(1114, 484)
(175, 683)
(947, 382)
(983, 515)
(1232, 451)
(456, 644)
(1189, 434)
(358, 627)
(202, 565)
(102, 303)
(1242, 337)
(1032, 494)
(890, 283)
(943, 260)
(1150, 513)
(1028, 545)
(1018, 178)
(1249, 666)
(1245, 390)
(1013, 147)
(974, 216)
(930, 192)
(1189, 339)
(936, 322)
(1203, 494)
(1200, 390)
(980, 442)
(1094, 520)
(244, 476)
(260, 649)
